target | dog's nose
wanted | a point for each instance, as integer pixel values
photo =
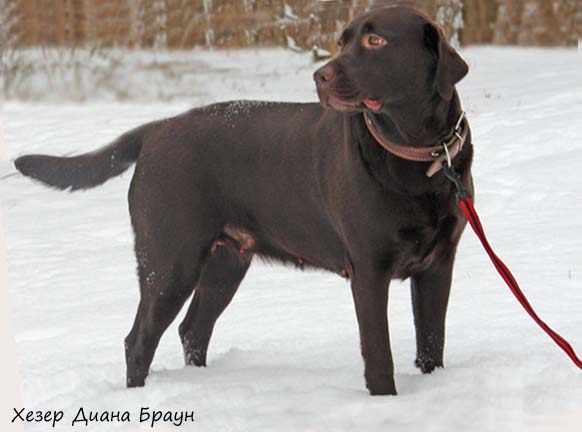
(324, 75)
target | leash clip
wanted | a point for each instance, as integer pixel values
(455, 178)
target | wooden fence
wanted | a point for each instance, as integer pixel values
(178, 24)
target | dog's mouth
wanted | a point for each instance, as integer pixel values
(330, 101)
(372, 104)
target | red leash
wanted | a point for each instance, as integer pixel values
(466, 205)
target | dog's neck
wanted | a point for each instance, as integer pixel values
(422, 124)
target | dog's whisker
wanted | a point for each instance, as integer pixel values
(7, 176)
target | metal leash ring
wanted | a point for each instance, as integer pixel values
(449, 161)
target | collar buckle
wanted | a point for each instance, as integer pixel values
(455, 135)
(438, 156)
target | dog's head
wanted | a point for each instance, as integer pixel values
(389, 55)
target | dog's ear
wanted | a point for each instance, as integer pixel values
(450, 67)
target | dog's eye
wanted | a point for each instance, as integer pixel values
(373, 41)
(340, 43)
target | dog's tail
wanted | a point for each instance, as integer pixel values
(89, 169)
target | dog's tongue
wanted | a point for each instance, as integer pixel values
(372, 104)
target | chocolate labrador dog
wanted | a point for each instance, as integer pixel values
(340, 186)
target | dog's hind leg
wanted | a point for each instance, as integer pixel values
(171, 248)
(165, 286)
(224, 270)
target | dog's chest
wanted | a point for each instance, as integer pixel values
(420, 240)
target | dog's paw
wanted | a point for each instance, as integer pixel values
(136, 381)
(427, 365)
(380, 384)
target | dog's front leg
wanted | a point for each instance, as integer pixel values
(370, 292)
(430, 297)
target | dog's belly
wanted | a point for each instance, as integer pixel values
(318, 248)
(413, 250)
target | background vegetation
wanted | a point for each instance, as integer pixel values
(243, 23)
(75, 44)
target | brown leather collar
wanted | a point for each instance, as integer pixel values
(438, 155)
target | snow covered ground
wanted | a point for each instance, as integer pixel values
(285, 354)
